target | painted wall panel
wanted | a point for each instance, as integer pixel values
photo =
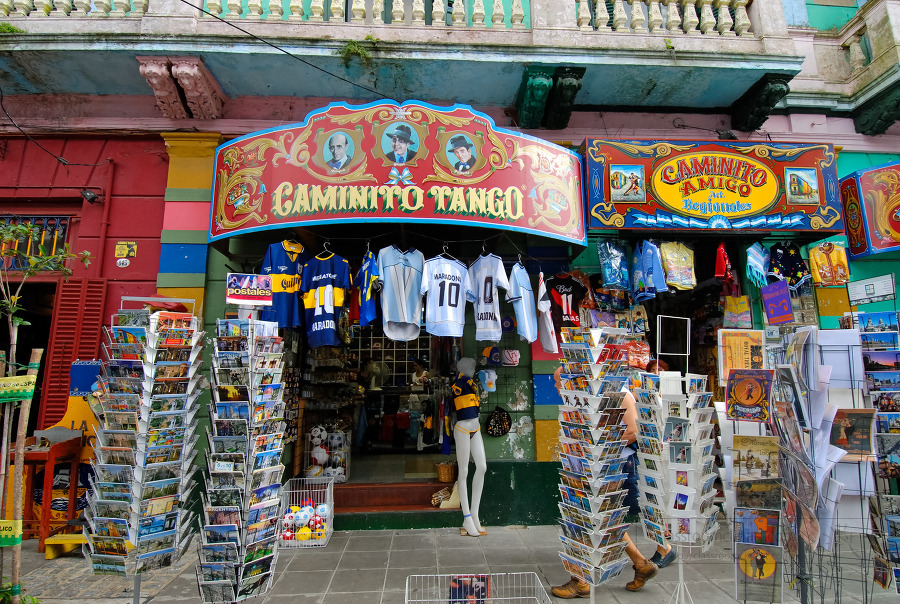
(186, 216)
(544, 391)
(182, 258)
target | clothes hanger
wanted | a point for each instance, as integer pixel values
(325, 252)
(447, 254)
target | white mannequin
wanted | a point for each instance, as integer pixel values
(469, 442)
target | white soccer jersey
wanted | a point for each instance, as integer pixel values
(400, 274)
(487, 274)
(447, 285)
(545, 320)
(522, 297)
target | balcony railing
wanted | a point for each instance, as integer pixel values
(661, 17)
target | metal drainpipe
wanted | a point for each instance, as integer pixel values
(104, 223)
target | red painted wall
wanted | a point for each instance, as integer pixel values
(132, 186)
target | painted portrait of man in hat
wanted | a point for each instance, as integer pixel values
(402, 138)
(463, 149)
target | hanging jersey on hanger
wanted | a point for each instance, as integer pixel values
(785, 262)
(365, 281)
(613, 264)
(446, 281)
(546, 331)
(828, 263)
(648, 276)
(566, 294)
(522, 298)
(324, 288)
(284, 262)
(400, 275)
(487, 275)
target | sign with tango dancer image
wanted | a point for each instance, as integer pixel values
(757, 572)
(749, 395)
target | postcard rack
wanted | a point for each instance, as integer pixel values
(138, 516)
(242, 502)
(592, 478)
(675, 459)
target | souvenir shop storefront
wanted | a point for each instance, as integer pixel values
(385, 197)
(698, 224)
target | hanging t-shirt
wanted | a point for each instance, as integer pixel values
(828, 263)
(522, 297)
(785, 262)
(648, 276)
(365, 281)
(400, 275)
(284, 262)
(486, 275)
(325, 284)
(546, 331)
(678, 261)
(566, 294)
(447, 283)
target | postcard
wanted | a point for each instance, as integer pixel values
(748, 394)
(788, 429)
(740, 349)
(758, 494)
(852, 430)
(883, 380)
(221, 552)
(755, 457)
(756, 526)
(758, 572)
(874, 322)
(878, 341)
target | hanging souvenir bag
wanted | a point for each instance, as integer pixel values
(499, 422)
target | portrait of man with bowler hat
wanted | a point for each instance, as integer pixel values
(462, 149)
(401, 139)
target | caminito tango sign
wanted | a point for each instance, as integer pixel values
(712, 185)
(385, 162)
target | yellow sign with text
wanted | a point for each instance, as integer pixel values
(17, 388)
(10, 532)
(707, 184)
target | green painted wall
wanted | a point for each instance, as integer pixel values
(851, 162)
(829, 17)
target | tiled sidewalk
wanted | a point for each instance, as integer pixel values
(371, 567)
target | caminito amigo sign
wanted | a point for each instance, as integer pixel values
(712, 185)
(385, 162)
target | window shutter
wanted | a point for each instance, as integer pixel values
(74, 334)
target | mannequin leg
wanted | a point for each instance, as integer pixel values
(463, 449)
(478, 456)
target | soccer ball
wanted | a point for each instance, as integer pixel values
(315, 522)
(338, 473)
(303, 533)
(321, 532)
(323, 510)
(319, 455)
(336, 440)
(302, 517)
(317, 435)
(309, 509)
(307, 502)
(288, 521)
(287, 535)
(313, 471)
(338, 459)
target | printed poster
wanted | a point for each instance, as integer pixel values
(777, 303)
(851, 431)
(248, 289)
(755, 457)
(759, 527)
(740, 349)
(757, 572)
(748, 395)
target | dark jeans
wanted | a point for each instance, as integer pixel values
(631, 483)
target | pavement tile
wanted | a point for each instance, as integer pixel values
(508, 556)
(363, 560)
(313, 582)
(396, 577)
(358, 581)
(412, 558)
(372, 597)
(413, 542)
(380, 543)
(460, 557)
(323, 561)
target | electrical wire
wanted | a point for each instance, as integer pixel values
(280, 49)
(58, 158)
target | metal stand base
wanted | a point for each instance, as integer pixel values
(681, 595)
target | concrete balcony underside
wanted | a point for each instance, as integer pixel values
(486, 68)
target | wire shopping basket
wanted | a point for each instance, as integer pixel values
(310, 503)
(499, 588)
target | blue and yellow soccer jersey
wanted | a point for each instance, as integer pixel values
(324, 287)
(365, 281)
(465, 398)
(284, 262)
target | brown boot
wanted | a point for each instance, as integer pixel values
(642, 573)
(575, 588)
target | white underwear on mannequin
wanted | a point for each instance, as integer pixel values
(469, 442)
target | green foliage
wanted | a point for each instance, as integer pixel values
(669, 45)
(6, 594)
(23, 255)
(355, 49)
(6, 28)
